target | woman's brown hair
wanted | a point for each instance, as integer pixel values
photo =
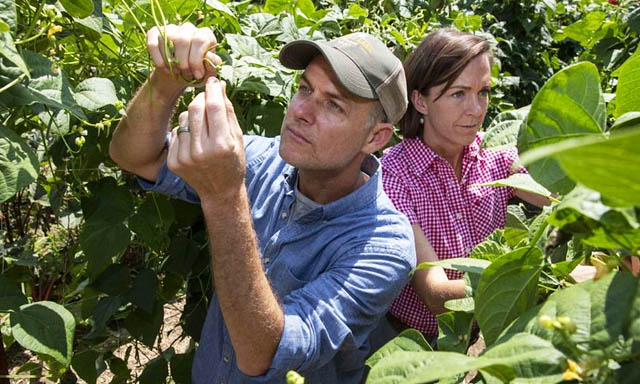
(439, 59)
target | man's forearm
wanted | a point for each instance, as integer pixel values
(138, 142)
(250, 309)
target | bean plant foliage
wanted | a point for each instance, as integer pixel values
(89, 261)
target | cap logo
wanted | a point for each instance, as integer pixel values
(364, 44)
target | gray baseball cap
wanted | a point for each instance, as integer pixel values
(362, 63)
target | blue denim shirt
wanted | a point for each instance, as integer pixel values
(335, 270)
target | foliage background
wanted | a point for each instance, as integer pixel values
(83, 248)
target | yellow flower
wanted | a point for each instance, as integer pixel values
(573, 371)
(53, 30)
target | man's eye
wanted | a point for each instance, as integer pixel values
(333, 105)
(485, 92)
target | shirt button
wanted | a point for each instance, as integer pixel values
(468, 249)
(283, 215)
(458, 215)
(225, 359)
(266, 260)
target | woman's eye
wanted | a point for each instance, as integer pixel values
(457, 94)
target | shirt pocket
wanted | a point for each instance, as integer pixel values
(283, 280)
(486, 211)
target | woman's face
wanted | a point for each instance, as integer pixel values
(452, 121)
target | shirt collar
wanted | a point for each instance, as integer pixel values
(355, 201)
(420, 157)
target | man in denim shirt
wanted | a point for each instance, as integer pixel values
(307, 251)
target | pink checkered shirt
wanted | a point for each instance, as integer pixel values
(454, 216)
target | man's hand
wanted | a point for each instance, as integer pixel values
(210, 157)
(183, 52)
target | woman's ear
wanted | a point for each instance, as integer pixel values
(419, 102)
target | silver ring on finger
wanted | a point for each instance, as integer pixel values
(183, 128)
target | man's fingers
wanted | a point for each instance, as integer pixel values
(232, 119)
(216, 111)
(198, 125)
(153, 46)
(172, 156)
(211, 60)
(182, 40)
(202, 42)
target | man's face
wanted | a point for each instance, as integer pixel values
(324, 128)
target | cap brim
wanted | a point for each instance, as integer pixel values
(298, 54)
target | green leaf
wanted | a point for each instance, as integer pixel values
(156, 371)
(152, 221)
(143, 290)
(521, 181)
(502, 133)
(627, 95)
(78, 8)
(95, 93)
(181, 367)
(85, 365)
(8, 50)
(421, 367)
(8, 14)
(628, 120)
(570, 104)
(583, 214)
(19, 165)
(221, 7)
(528, 355)
(109, 203)
(454, 329)
(103, 311)
(459, 264)
(466, 304)
(113, 281)
(407, 340)
(11, 298)
(609, 166)
(275, 7)
(100, 241)
(144, 327)
(45, 327)
(357, 11)
(507, 289)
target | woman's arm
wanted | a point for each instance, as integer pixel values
(431, 284)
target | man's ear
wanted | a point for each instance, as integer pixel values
(378, 137)
(419, 102)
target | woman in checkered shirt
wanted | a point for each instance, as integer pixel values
(431, 175)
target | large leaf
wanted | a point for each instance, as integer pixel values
(506, 290)
(11, 298)
(407, 340)
(152, 221)
(627, 95)
(502, 133)
(100, 241)
(463, 264)
(85, 364)
(454, 329)
(113, 281)
(102, 313)
(18, 164)
(45, 327)
(155, 371)
(583, 214)
(78, 8)
(109, 203)
(609, 166)
(95, 93)
(8, 13)
(523, 355)
(143, 290)
(521, 181)
(570, 104)
(8, 50)
(181, 367)
(145, 327)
